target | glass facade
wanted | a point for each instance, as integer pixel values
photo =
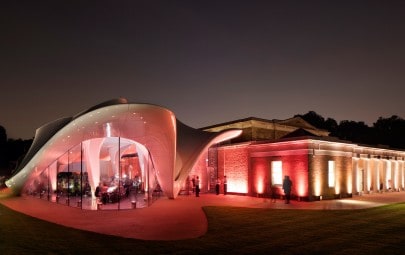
(109, 173)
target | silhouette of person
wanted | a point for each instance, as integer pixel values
(287, 183)
(197, 187)
(98, 190)
(193, 181)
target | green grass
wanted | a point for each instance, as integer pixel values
(231, 231)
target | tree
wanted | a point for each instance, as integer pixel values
(354, 131)
(3, 148)
(16, 150)
(390, 131)
(314, 119)
(11, 151)
(331, 125)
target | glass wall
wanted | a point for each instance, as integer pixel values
(38, 186)
(133, 178)
(52, 170)
(62, 179)
(76, 180)
(109, 173)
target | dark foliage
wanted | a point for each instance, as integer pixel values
(3, 146)
(11, 152)
(391, 131)
(384, 132)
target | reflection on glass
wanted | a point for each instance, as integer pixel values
(99, 174)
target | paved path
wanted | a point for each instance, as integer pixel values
(181, 218)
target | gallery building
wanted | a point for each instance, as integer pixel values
(320, 167)
(121, 155)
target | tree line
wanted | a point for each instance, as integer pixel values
(385, 132)
(11, 152)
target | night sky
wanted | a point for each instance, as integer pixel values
(208, 61)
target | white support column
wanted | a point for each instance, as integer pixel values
(52, 175)
(91, 149)
(376, 171)
(395, 175)
(355, 185)
(402, 175)
(367, 175)
(387, 175)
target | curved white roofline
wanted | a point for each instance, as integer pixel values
(173, 146)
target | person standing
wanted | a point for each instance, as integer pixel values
(193, 181)
(217, 185)
(197, 186)
(225, 185)
(98, 190)
(287, 184)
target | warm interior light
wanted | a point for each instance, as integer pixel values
(277, 172)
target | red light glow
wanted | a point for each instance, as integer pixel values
(260, 169)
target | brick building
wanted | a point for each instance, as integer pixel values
(320, 166)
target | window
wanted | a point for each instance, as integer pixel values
(276, 172)
(331, 173)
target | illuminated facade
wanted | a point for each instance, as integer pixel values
(121, 155)
(115, 155)
(319, 166)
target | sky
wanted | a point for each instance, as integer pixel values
(208, 61)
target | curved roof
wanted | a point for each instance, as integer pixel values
(174, 147)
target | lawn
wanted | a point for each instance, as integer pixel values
(230, 231)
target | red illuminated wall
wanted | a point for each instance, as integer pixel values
(233, 162)
(296, 166)
(294, 158)
(260, 176)
(251, 175)
(248, 169)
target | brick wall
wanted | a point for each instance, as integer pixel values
(318, 176)
(233, 162)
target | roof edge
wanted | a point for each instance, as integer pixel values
(116, 101)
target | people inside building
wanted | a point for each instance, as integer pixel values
(197, 186)
(193, 184)
(97, 193)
